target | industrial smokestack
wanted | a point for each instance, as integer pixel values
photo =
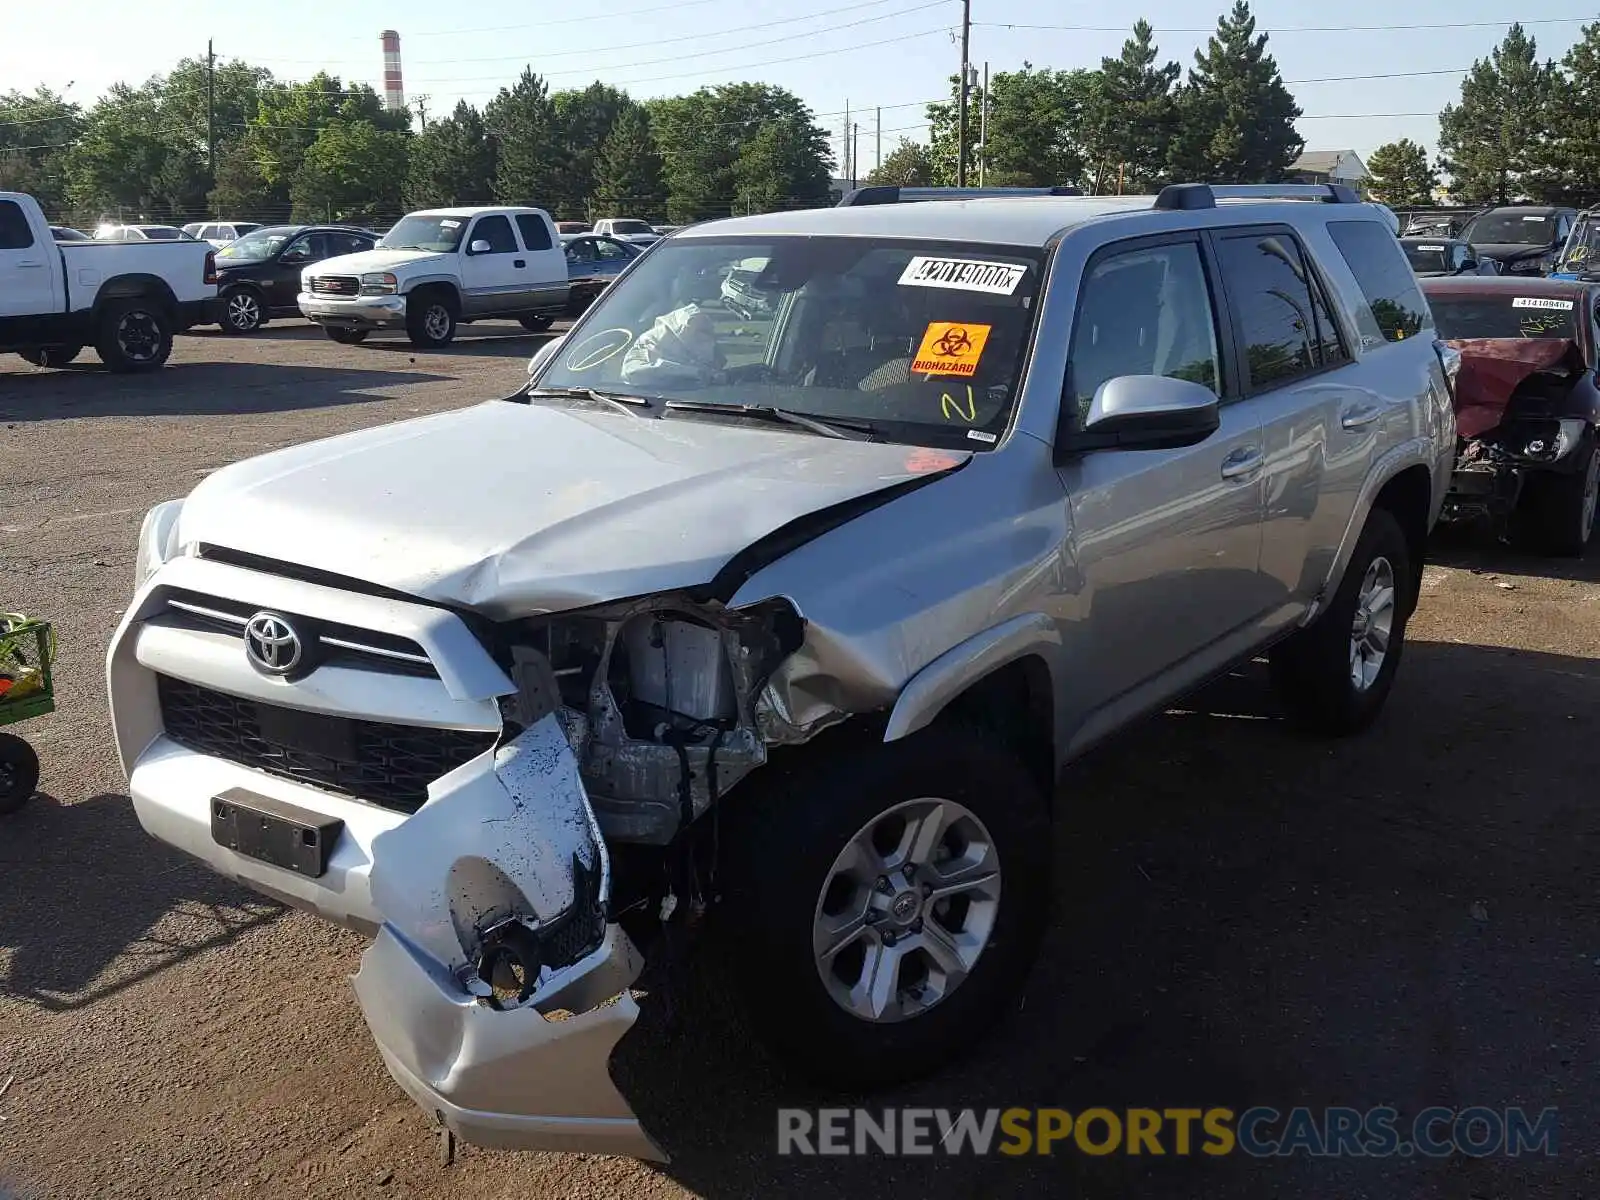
(394, 92)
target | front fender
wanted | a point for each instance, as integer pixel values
(407, 286)
(933, 687)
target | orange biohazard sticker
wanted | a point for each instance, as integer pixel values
(950, 348)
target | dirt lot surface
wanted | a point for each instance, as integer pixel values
(1242, 916)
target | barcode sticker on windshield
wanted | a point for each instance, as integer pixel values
(1434, 249)
(1540, 302)
(1535, 218)
(963, 275)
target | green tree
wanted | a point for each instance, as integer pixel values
(1401, 174)
(1493, 142)
(704, 137)
(35, 131)
(1132, 116)
(908, 165)
(1235, 118)
(241, 190)
(627, 170)
(125, 163)
(353, 171)
(1036, 133)
(1572, 158)
(584, 118)
(290, 118)
(529, 163)
(451, 162)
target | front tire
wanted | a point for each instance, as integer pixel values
(243, 310)
(19, 773)
(431, 320)
(536, 324)
(134, 335)
(50, 356)
(886, 904)
(1556, 513)
(346, 337)
(1334, 675)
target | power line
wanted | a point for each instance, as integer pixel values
(1311, 28)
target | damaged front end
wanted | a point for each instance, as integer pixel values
(502, 977)
(1509, 397)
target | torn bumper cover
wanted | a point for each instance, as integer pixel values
(496, 988)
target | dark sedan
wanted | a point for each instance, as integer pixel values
(258, 276)
(1432, 257)
(1524, 239)
(1527, 408)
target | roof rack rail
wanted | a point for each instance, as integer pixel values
(1187, 196)
(895, 194)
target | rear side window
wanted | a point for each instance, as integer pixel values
(15, 234)
(535, 233)
(1385, 278)
(1143, 311)
(1279, 308)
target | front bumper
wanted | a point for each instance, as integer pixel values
(506, 839)
(355, 312)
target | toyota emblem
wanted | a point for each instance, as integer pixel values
(272, 645)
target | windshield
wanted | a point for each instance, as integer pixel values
(1510, 229)
(921, 341)
(1428, 256)
(1503, 316)
(255, 247)
(630, 227)
(419, 232)
(1582, 251)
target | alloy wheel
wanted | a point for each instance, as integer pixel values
(1372, 625)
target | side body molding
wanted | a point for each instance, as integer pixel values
(946, 677)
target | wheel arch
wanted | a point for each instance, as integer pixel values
(134, 287)
(1403, 483)
(442, 283)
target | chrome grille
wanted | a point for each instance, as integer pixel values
(335, 285)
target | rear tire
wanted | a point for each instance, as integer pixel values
(346, 337)
(811, 839)
(19, 773)
(1332, 676)
(134, 335)
(51, 356)
(1556, 513)
(431, 318)
(243, 310)
(537, 324)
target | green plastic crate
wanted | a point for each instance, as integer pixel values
(27, 652)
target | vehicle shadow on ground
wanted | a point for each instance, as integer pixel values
(1246, 915)
(195, 389)
(1475, 548)
(93, 904)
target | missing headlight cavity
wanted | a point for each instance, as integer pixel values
(657, 697)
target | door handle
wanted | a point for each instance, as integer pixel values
(1360, 417)
(518, 263)
(29, 264)
(1242, 463)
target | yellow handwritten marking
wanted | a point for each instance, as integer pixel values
(968, 414)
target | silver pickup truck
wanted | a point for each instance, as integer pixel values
(786, 617)
(126, 299)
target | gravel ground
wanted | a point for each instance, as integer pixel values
(1243, 916)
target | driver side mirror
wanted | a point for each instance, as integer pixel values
(1146, 412)
(479, 246)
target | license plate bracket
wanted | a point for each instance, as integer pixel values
(274, 831)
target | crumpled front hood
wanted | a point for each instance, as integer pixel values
(516, 509)
(1493, 368)
(377, 260)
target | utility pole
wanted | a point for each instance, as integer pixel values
(983, 128)
(844, 149)
(961, 104)
(422, 109)
(855, 151)
(211, 110)
(879, 163)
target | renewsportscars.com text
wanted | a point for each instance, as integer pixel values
(1261, 1132)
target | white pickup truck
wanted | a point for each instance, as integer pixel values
(439, 269)
(126, 299)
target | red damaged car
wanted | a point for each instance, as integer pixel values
(1527, 405)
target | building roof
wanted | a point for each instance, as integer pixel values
(1325, 162)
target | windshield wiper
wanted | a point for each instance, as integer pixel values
(626, 403)
(832, 427)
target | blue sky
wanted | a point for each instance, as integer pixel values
(890, 53)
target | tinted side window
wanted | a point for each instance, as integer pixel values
(15, 233)
(1282, 319)
(535, 233)
(495, 230)
(1385, 278)
(1146, 311)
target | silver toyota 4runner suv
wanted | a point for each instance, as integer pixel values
(785, 619)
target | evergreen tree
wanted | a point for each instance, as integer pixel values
(1493, 143)
(1132, 116)
(1571, 156)
(452, 162)
(1235, 117)
(627, 170)
(584, 119)
(529, 160)
(1401, 174)
(908, 165)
